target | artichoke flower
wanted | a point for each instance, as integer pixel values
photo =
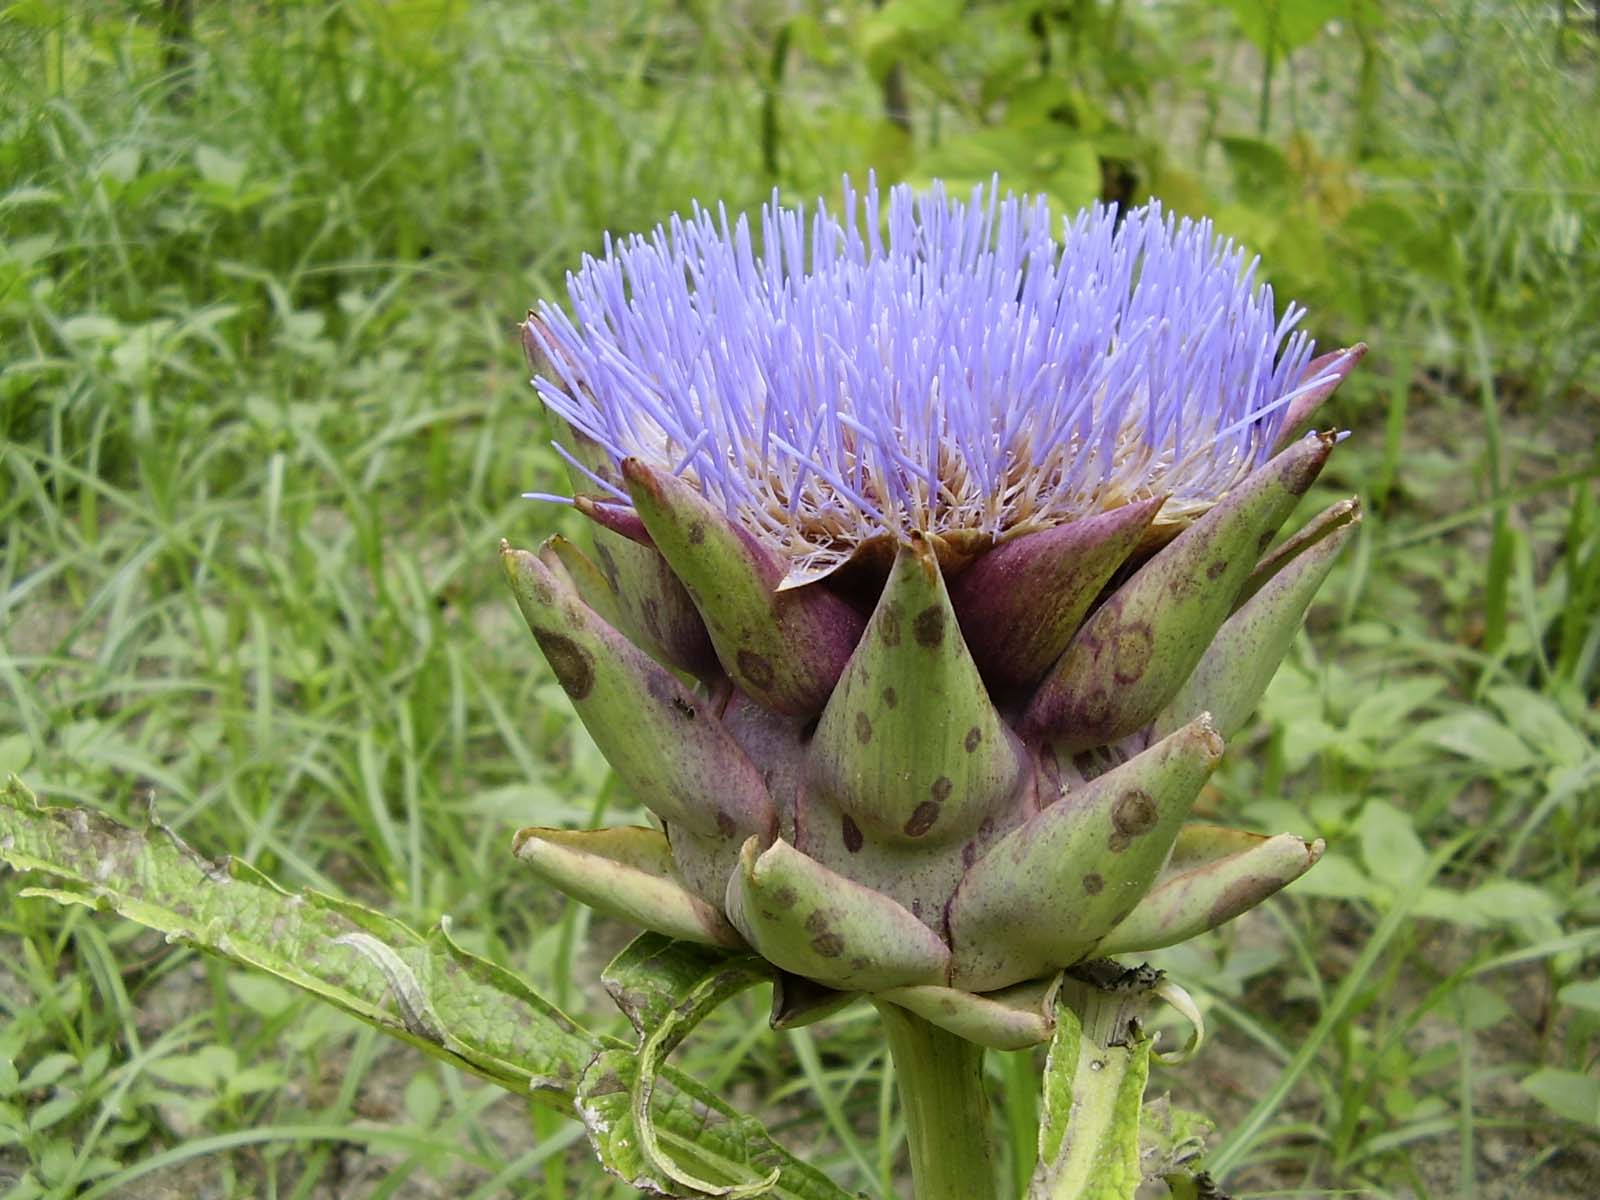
(933, 564)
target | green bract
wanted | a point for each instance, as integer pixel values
(961, 757)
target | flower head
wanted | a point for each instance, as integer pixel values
(950, 368)
(947, 779)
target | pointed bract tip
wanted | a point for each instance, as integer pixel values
(636, 471)
(750, 854)
(1314, 849)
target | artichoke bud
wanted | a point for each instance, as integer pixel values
(962, 536)
(912, 772)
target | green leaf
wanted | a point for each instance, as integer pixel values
(425, 990)
(694, 1126)
(1585, 995)
(666, 988)
(218, 167)
(1568, 1094)
(1390, 847)
(1337, 878)
(1476, 735)
(1283, 24)
(1539, 721)
(422, 990)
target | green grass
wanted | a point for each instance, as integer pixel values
(265, 422)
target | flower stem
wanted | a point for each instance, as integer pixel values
(940, 1078)
(1099, 1062)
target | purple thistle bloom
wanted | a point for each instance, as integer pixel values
(967, 762)
(966, 374)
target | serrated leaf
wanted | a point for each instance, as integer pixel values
(422, 990)
(654, 973)
(425, 990)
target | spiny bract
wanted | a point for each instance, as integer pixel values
(930, 573)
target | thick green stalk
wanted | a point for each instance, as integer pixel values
(1089, 1138)
(940, 1077)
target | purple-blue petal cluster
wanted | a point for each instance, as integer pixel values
(942, 366)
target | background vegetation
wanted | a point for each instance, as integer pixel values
(264, 423)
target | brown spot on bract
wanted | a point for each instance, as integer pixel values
(1264, 541)
(1092, 710)
(851, 832)
(890, 697)
(817, 922)
(1092, 884)
(697, 532)
(1134, 813)
(785, 896)
(652, 616)
(922, 818)
(725, 824)
(941, 789)
(574, 669)
(929, 626)
(829, 945)
(1131, 653)
(889, 625)
(756, 669)
(1117, 843)
(1238, 896)
(1215, 570)
(969, 854)
(859, 963)
(863, 728)
(974, 736)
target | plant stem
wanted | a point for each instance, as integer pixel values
(940, 1077)
(1099, 1064)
